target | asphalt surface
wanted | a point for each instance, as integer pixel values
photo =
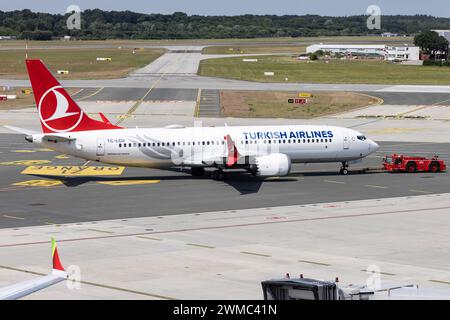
(129, 94)
(81, 199)
(412, 98)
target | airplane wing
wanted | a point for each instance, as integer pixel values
(21, 130)
(25, 288)
(48, 137)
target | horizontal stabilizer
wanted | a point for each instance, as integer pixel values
(21, 130)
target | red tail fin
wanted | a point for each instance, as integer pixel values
(57, 110)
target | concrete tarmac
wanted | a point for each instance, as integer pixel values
(226, 254)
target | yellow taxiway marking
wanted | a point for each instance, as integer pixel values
(38, 183)
(102, 231)
(440, 281)
(128, 182)
(62, 157)
(197, 104)
(13, 217)
(256, 254)
(332, 181)
(149, 238)
(43, 150)
(419, 191)
(23, 151)
(139, 102)
(71, 171)
(382, 273)
(200, 245)
(375, 186)
(314, 262)
(24, 162)
(395, 130)
(90, 95)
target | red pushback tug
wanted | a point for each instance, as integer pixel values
(401, 163)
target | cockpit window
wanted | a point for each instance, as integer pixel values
(362, 138)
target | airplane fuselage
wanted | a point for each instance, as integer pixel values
(206, 146)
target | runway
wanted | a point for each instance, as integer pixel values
(27, 201)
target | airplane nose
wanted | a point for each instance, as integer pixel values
(373, 146)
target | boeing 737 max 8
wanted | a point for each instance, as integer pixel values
(262, 150)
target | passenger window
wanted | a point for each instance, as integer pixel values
(120, 145)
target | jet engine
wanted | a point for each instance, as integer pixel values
(275, 164)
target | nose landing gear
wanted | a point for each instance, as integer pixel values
(344, 169)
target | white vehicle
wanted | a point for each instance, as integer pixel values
(25, 288)
(261, 150)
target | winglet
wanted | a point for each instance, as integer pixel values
(232, 151)
(55, 257)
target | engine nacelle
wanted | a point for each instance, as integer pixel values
(275, 164)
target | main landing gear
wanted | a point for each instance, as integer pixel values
(344, 169)
(198, 171)
(218, 175)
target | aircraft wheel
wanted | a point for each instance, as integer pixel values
(218, 175)
(344, 171)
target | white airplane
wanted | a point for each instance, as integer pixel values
(25, 288)
(262, 150)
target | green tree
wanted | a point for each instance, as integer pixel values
(432, 43)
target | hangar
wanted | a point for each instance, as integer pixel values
(390, 53)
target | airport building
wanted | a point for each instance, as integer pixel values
(390, 53)
(443, 33)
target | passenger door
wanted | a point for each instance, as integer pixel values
(100, 147)
(346, 145)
